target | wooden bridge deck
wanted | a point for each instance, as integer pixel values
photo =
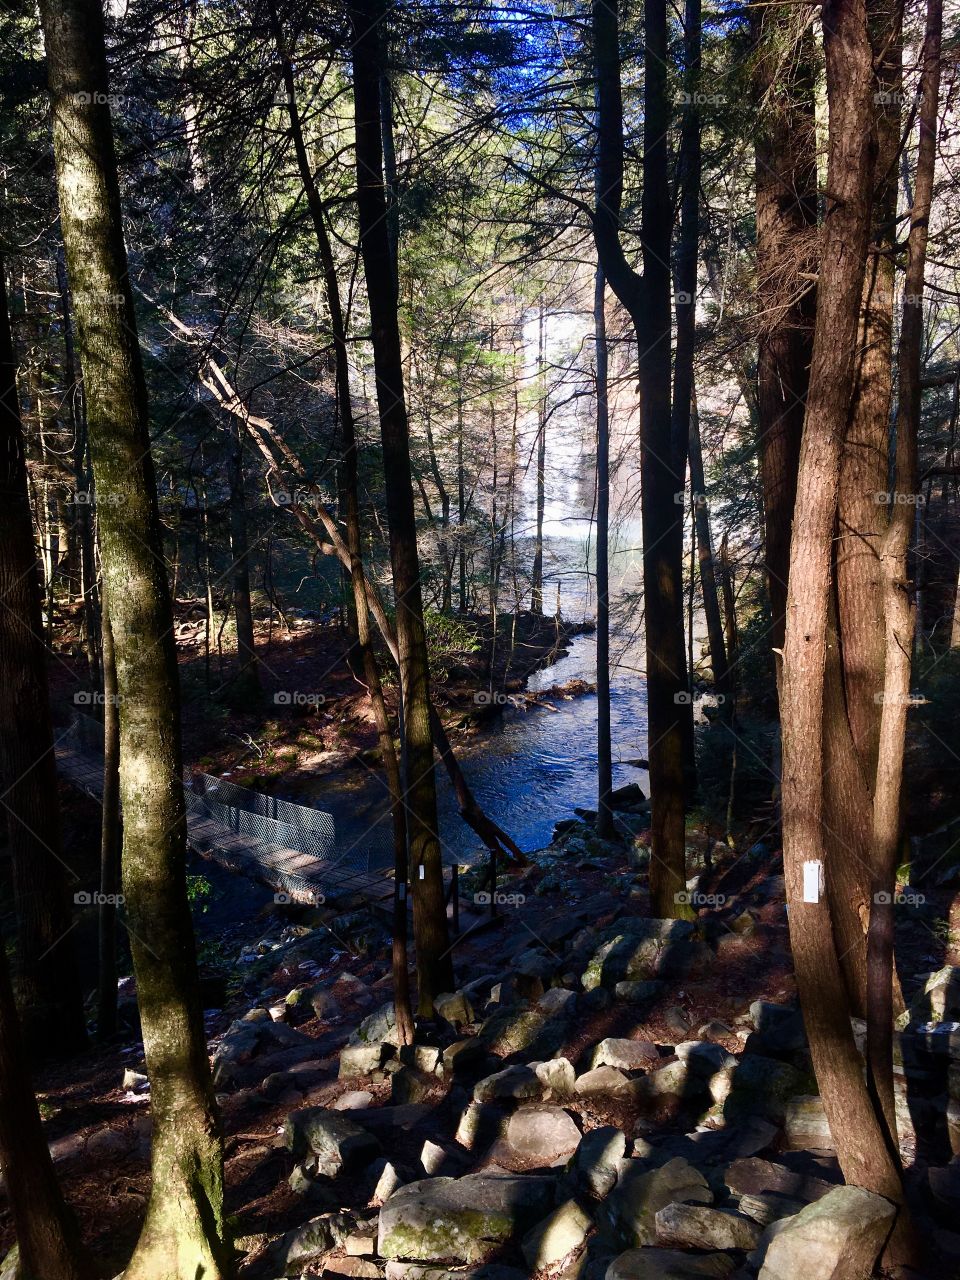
(303, 877)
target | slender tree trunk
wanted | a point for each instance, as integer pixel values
(708, 576)
(434, 964)
(786, 219)
(899, 610)
(110, 838)
(647, 300)
(604, 750)
(47, 982)
(249, 678)
(50, 1246)
(353, 562)
(184, 1233)
(536, 586)
(854, 1124)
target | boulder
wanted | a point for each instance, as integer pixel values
(593, 1169)
(556, 1075)
(603, 1082)
(480, 1125)
(753, 1176)
(805, 1123)
(779, 1027)
(542, 1134)
(641, 949)
(461, 1220)
(550, 1241)
(362, 1059)
(379, 1026)
(529, 1031)
(454, 1007)
(696, 1226)
(518, 1083)
(755, 1085)
(639, 992)
(628, 1055)
(837, 1238)
(939, 1001)
(297, 1249)
(668, 1264)
(331, 1136)
(629, 1212)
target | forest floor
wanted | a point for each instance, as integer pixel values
(289, 988)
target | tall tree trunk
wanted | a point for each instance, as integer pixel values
(50, 1246)
(353, 562)
(899, 610)
(184, 1233)
(110, 838)
(786, 219)
(249, 678)
(47, 982)
(705, 562)
(854, 1123)
(434, 964)
(536, 578)
(647, 300)
(604, 750)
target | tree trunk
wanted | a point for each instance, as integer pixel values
(647, 300)
(249, 677)
(899, 610)
(184, 1231)
(604, 750)
(50, 1247)
(536, 579)
(786, 219)
(857, 1133)
(434, 964)
(353, 563)
(47, 982)
(708, 576)
(110, 838)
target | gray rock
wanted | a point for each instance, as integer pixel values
(754, 1176)
(408, 1084)
(641, 949)
(668, 1264)
(464, 1219)
(767, 1207)
(303, 1245)
(628, 1055)
(939, 1001)
(558, 999)
(455, 1007)
(361, 1059)
(543, 1134)
(639, 992)
(353, 1100)
(329, 1135)
(388, 1180)
(715, 1030)
(837, 1238)
(425, 1057)
(419, 1271)
(379, 1026)
(675, 1080)
(518, 1083)
(556, 1075)
(805, 1123)
(603, 1082)
(562, 1233)
(755, 1085)
(593, 1169)
(696, 1226)
(530, 1031)
(480, 1124)
(779, 1027)
(629, 1212)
